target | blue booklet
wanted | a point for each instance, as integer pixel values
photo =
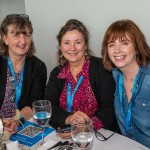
(30, 134)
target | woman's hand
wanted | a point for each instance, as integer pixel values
(26, 112)
(10, 125)
(64, 134)
(79, 116)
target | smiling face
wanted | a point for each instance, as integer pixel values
(18, 42)
(122, 53)
(73, 47)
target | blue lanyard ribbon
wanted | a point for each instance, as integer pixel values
(18, 86)
(70, 96)
(128, 116)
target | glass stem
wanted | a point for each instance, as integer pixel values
(42, 136)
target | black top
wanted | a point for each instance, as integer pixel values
(34, 81)
(103, 86)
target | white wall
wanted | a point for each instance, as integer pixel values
(11, 7)
(48, 16)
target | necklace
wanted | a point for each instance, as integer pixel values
(131, 80)
(128, 84)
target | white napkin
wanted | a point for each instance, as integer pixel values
(47, 145)
(13, 146)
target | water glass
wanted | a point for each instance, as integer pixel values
(42, 112)
(82, 133)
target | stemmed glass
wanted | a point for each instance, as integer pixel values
(82, 133)
(42, 112)
(1, 129)
(1, 134)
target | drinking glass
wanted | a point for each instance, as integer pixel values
(2, 145)
(1, 129)
(42, 112)
(82, 133)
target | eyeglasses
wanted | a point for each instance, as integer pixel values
(12, 16)
(101, 137)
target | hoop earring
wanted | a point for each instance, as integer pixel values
(61, 55)
(85, 52)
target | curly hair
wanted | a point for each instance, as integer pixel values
(70, 25)
(120, 29)
(19, 22)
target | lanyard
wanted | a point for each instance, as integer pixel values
(128, 116)
(70, 96)
(18, 86)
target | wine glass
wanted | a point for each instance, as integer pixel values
(1, 129)
(2, 145)
(82, 133)
(42, 112)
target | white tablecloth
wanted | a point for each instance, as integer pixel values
(116, 142)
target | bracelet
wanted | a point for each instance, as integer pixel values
(21, 116)
(67, 122)
(22, 120)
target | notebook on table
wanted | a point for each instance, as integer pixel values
(30, 134)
